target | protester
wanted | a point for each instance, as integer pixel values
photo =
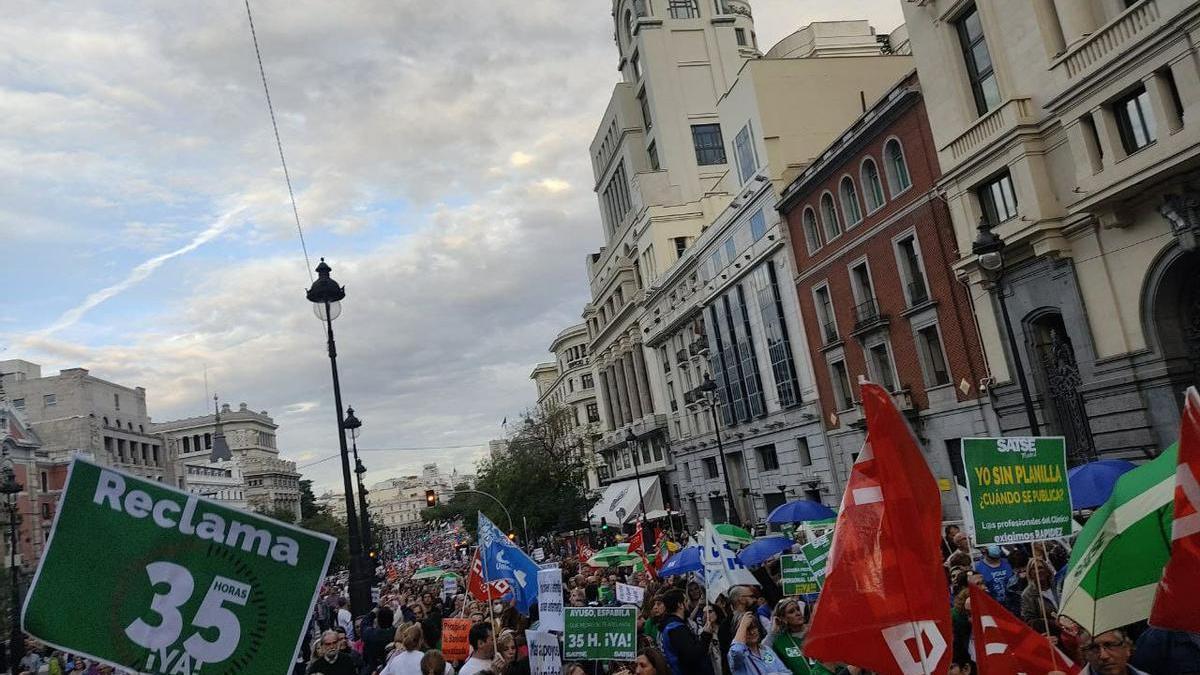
(483, 650)
(786, 638)
(377, 637)
(997, 573)
(747, 656)
(330, 659)
(651, 662)
(1040, 598)
(1108, 654)
(716, 636)
(683, 651)
(433, 663)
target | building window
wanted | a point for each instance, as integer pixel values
(683, 9)
(768, 459)
(45, 482)
(933, 360)
(998, 200)
(850, 202)
(871, 185)
(681, 244)
(740, 34)
(879, 358)
(909, 257)
(616, 197)
(671, 397)
(586, 381)
(824, 303)
(710, 467)
(50, 400)
(805, 453)
(812, 237)
(1135, 120)
(843, 395)
(897, 169)
(116, 401)
(18, 403)
(829, 218)
(758, 225)
(747, 158)
(731, 249)
(710, 146)
(645, 110)
(45, 512)
(208, 441)
(593, 413)
(652, 150)
(770, 305)
(979, 63)
(635, 65)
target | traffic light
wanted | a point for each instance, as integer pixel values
(431, 498)
(604, 524)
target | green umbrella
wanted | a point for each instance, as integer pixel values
(734, 534)
(613, 556)
(451, 575)
(1118, 559)
(430, 572)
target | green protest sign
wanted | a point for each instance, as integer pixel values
(816, 552)
(150, 578)
(1018, 488)
(797, 576)
(600, 633)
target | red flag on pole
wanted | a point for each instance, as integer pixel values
(476, 587)
(634, 544)
(884, 605)
(1005, 645)
(1175, 602)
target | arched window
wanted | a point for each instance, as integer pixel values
(850, 202)
(105, 421)
(829, 217)
(118, 424)
(812, 237)
(872, 187)
(683, 9)
(897, 169)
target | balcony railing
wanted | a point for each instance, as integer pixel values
(698, 346)
(830, 332)
(1112, 38)
(681, 356)
(867, 315)
(1013, 112)
(918, 293)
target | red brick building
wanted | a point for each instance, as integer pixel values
(42, 480)
(874, 251)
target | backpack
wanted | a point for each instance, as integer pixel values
(664, 644)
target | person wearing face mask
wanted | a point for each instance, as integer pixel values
(329, 659)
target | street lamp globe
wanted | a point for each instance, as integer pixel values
(988, 248)
(352, 423)
(630, 437)
(708, 385)
(325, 294)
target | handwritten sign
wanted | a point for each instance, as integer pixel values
(455, 646)
(628, 594)
(550, 599)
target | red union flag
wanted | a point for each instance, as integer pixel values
(1175, 600)
(476, 588)
(1005, 645)
(884, 604)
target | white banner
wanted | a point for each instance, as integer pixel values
(539, 554)
(550, 599)
(630, 595)
(545, 653)
(449, 586)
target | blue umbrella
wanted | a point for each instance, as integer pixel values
(1092, 483)
(800, 511)
(761, 550)
(686, 560)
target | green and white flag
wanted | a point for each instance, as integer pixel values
(1119, 556)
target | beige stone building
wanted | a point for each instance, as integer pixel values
(1070, 129)
(568, 382)
(76, 411)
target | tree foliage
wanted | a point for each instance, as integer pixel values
(541, 478)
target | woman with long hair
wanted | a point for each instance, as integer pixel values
(747, 655)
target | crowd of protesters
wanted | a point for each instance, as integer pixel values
(751, 630)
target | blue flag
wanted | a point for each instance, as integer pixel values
(503, 560)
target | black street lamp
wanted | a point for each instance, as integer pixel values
(989, 250)
(631, 439)
(353, 424)
(326, 296)
(10, 488)
(710, 394)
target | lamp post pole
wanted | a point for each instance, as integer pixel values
(326, 296)
(989, 249)
(11, 488)
(353, 424)
(710, 394)
(632, 440)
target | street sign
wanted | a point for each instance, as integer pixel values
(601, 633)
(171, 582)
(1018, 488)
(550, 599)
(797, 577)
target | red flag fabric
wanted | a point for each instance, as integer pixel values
(884, 605)
(585, 553)
(476, 588)
(1175, 601)
(1005, 645)
(635, 542)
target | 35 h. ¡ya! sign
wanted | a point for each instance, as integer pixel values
(172, 583)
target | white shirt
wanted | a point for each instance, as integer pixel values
(408, 663)
(346, 621)
(474, 665)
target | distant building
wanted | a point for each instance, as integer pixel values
(568, 382)
(75, 411)
(254, 478)
(42, 478)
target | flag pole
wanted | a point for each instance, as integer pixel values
(1037, 579)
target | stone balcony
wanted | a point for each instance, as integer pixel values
(1111, 39)
(1013, 113)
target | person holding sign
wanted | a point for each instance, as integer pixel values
(747, 656)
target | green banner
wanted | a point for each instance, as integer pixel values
(600, 633)
(816, 552)
(797, 577)
(150, 578)
(1018, 488)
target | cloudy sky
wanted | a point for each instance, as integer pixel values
(439, 155)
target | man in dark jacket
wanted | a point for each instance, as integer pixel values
(330, 660)
(679, 645)
(377, 637)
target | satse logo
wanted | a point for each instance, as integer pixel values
(1026, 447)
